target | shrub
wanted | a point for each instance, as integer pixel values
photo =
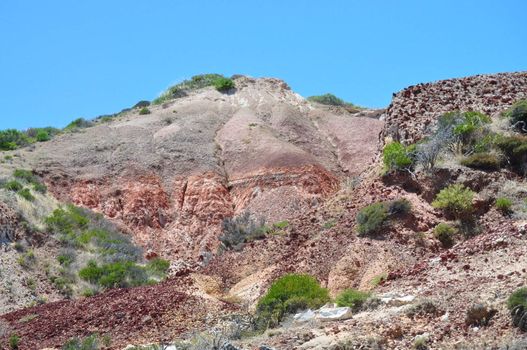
(27, 259)
(352, 298)
(158, 267)
(141, 104)
(144, 111)
(289, 294)
(13, 185)
(78, 123)
(331, 100)
(118, 274)
(23, 174)
(14, 342)
(517, 114)
(240, 230)
(504, 205)
(181, 89)
(479, 315)
(399, 206)
(12, 139)
(39, 187)
(455, 200)
(88, 343)
(517, 304)
(483, 161)
(26, 194)
(515, 149)
(445, 234)
(396, 157)
(43, 136)
(371, 218)
(223, 84)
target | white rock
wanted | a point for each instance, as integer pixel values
(397, 300)
(304, 316)
(334, 314)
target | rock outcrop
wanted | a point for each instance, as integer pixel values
(415, 110)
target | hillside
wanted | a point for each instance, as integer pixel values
(294, 176)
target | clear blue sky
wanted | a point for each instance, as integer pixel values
(66, 59)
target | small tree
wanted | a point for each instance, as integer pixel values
(396, 157)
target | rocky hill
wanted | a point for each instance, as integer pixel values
(175, 178)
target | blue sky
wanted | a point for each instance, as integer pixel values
(63, 59)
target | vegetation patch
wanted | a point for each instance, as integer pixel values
(144, 111)
(517, 304)
(223, 84)
(79, 123)
(483, 161)
(112, 260)
(289, 294)
(515, 150)
(373, 217)
(445, 233)
(517, 115)
(455, 200)
(352, 298)
(504, 205)
(397, 156)
(238, 231)
(194, 83)
(332, 100)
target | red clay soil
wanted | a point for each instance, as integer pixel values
(143, 314)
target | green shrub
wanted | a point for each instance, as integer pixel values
(181, 89)
(144, 111)
(371, 218)
(158, 267)
(515, 149)
(399, 206)
(289, 294)
(352, 298)
(78, 123)
(26, 194)
(43, 136)
(483, 161)
(141, 104)
(12, 139)
(88, 343)
(223, 84)
(27, 259)
(13, 185)
(14, 342)
(39, 187)
(445, 234)
(455, 200)
(396, 157)
(114, 275)
(518, 299)
(241, 229)
(464, 131)
(517, 114)
(504, 205)
(331, 100)
(23, 174)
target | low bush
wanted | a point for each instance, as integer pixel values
(483, 161)
(26, 175)
(352, 298)
(517, 305)
(373, 217)
(396, 156)
(79, 123)
(27, 260)
(142, 104)
(114, 275)
(12, 139)
(289, 294)
(504, 205)
(144, 111)
(455, 200)
(223, 84)
(13, 185)
(181, 89)
(517, 115)
(14, 342)
(158, 267)
(479, 315)
(445, 234)
(43, 136)
(92, 342)
(331, 100)
(515, 150)
(39, 187)
(241, 229)
(26, 194)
